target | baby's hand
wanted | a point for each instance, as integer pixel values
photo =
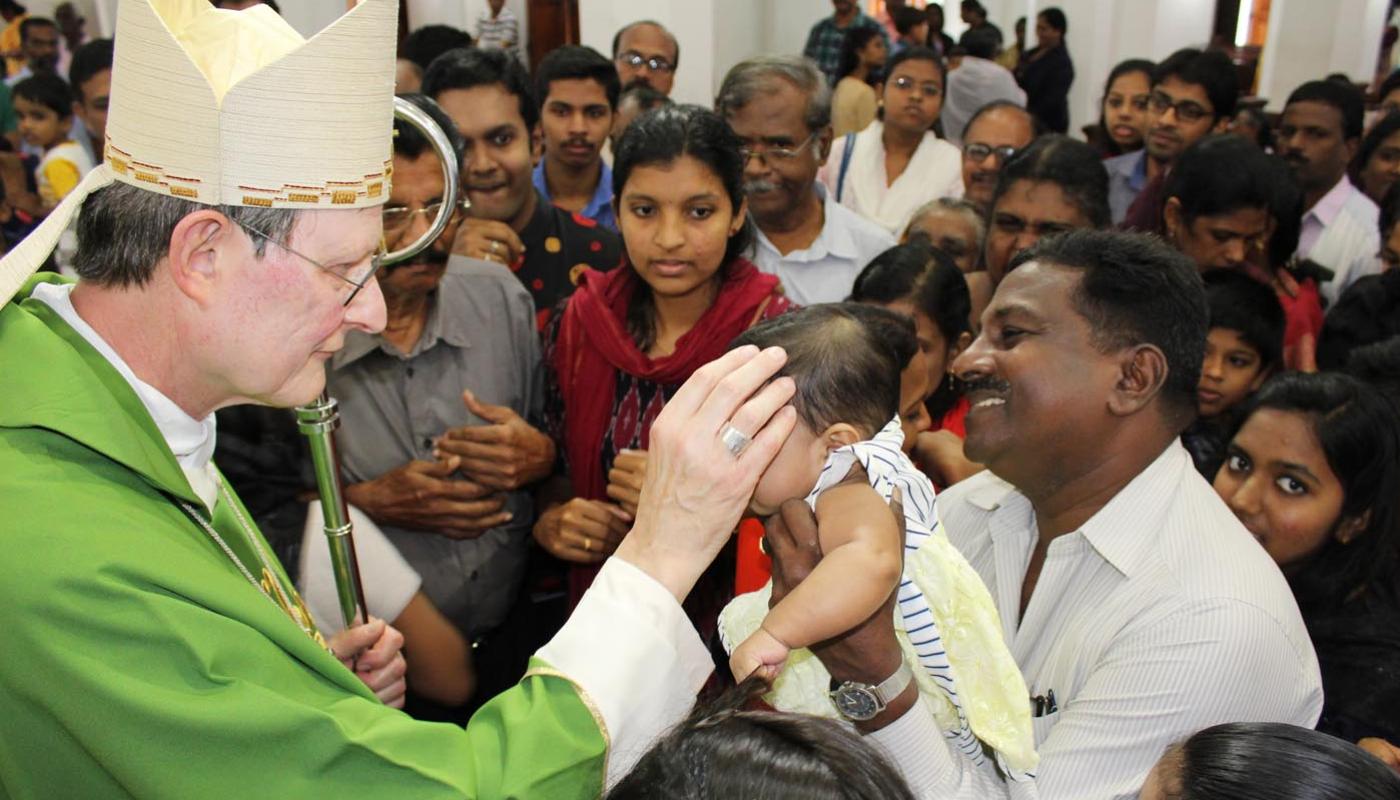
(762, 653)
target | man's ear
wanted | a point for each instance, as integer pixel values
(741, 215)
(824, 145)
(839, 435)
(536, 145)
(1222, 125)
(199, 254)
(1352, 527)
(1142, 373)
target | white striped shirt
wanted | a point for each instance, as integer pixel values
(1159, 617)
(500, 32)
(1342, 232)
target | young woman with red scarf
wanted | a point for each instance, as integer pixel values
(627, 339)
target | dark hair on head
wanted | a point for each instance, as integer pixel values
(1368, 311)
(1390, 211)
(1132, 65)
(48, 90)
(856, 38)
(925, 277)
(1272, 761)
(11, 6)
(1264, 139)
(1055, 18)
(1371, 142)
(907, 18)
(1221, 174)
(1287, 212)
(1359, 430)
(1068, 163)
(30, 23)
(981, 42)
(917, 53)
(663, 136)
(1378, 364)
(577, 62)
(1344, 97)
(468, 68)
(675, 43)
(1037, 127)
(1242, 304)
(410, 143)
(430, 41)
(1136, 289)
(721, 751)
(846, 359)
(646, 97)
(1211, 70)
(1390, 84)
(757, 78)
(88, 60)
(975, 7)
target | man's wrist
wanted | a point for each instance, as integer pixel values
(897, 708)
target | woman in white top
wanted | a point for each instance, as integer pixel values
(888, 170)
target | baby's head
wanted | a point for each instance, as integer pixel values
(846, 359)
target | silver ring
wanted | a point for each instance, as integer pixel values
(734, 440)
(495, 247)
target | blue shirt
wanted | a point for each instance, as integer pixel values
(599, 208)
(1127, 174)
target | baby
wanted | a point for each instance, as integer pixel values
(846, 360)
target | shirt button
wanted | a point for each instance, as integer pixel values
(427, 443)
(473, 574)
(410, 372)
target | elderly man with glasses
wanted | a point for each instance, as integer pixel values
(780, 107)
(648, 53)
(994, 133)
(436, 446)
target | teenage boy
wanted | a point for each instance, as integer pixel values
(578, 90)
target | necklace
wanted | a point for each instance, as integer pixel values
(269, 585)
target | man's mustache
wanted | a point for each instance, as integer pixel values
(759, 187)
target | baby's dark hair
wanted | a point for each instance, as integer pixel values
(46, 90)
(846, 359)
(1249, 308)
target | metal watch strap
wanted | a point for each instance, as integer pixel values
(894, 685)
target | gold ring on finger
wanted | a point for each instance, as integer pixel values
(587, 544)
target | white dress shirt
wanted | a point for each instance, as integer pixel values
(1342, 232)
(1159, 617)
(824, 271)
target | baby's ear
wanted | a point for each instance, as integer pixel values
(840, 435)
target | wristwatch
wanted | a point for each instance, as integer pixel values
(860, 702)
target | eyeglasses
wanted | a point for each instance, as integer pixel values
(398, 220)
(908, 84)
(1186, 110)
(977, 153)
(358, 282)
(748, 150)
(634, 59)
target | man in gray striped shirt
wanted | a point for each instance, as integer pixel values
(1137, 606)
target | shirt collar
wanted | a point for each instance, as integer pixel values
(1332, 203)
(834, 239)
(190, 440)
(602, 194)
(440, 327)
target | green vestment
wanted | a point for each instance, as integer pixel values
(136, 660)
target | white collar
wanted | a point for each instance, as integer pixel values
(190, 440)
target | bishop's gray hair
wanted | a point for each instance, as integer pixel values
(755, 76)
(124, 231)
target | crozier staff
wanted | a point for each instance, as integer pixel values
(226, 246)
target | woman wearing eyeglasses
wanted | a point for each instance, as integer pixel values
(1046, 73)
(898, 164)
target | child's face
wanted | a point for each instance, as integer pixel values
(1233, 369)
(793, 472)
(40, 125)
(914, 388)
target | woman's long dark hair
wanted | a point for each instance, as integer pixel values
(723, 752)
(928, 279)
(856, 39)
(1359, 429)
(1272, 761)
(661, 136)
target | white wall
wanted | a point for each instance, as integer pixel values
(1307, 40)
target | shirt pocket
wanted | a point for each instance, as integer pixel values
(1041, 726)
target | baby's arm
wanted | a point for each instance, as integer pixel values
(862, 543)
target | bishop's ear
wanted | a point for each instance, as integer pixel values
(199, 256)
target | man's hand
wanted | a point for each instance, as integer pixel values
(868, 653)
(422, 495)
(695, 488)
(1388, 753)
(374, 652)
(506, 454)
(582, 531)
(625, 479)
(487, 239)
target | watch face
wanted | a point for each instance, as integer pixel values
(855, 702)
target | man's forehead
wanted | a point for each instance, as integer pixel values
(648, 40)
(416, 178)
(1313, 112)
(578, 91)
(1037, 289)
(337, 234)
(776, 108)
(1001, 126)
(1179, 90)
(481, 108)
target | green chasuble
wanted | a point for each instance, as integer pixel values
(137, 660)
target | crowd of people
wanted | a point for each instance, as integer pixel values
(1133, 402)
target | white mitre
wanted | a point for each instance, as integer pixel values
(236, 108)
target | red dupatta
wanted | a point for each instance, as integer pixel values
(593, 344)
